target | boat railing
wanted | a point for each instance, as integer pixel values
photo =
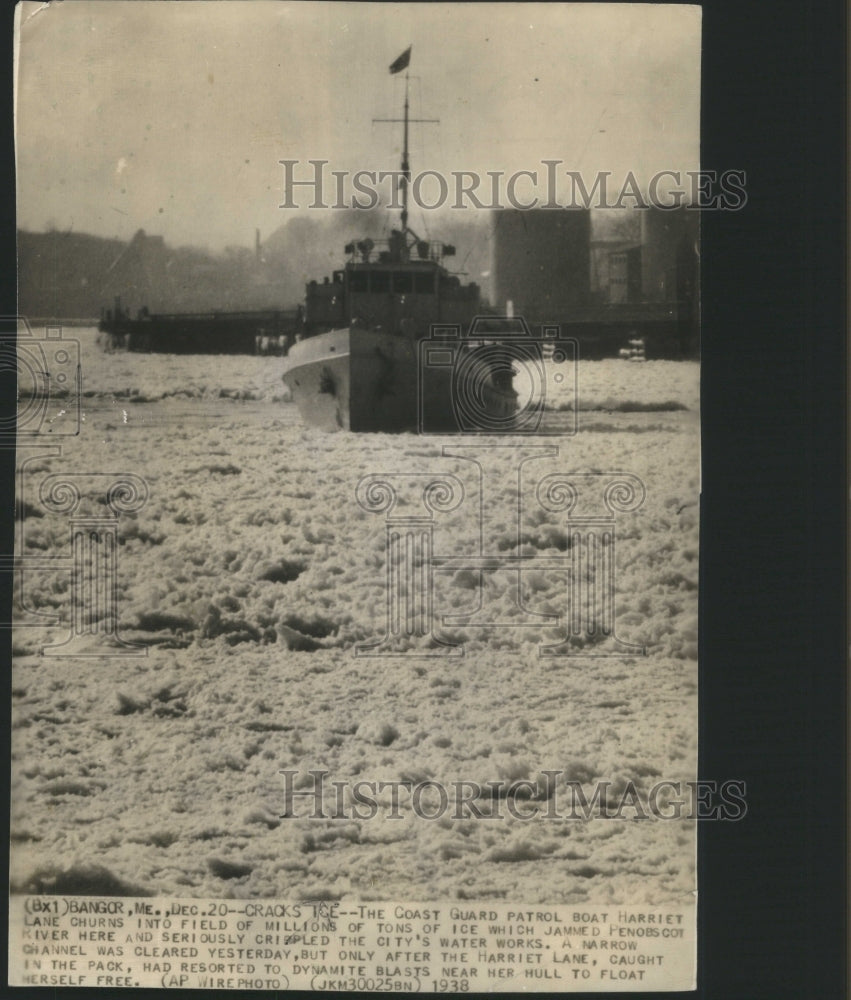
(370, 251)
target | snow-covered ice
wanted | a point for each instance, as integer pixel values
(251, 573)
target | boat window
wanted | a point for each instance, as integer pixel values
(380, 281)
(424, 283)
(403, 281)
(358, 281)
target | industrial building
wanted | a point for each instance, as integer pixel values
(604, 278)
(541, 261)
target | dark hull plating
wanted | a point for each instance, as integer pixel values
(363, 380)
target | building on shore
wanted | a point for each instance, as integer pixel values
(541, 261)
(603, 277)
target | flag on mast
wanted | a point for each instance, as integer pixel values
(402, 62)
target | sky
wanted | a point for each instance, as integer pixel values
(173, 116)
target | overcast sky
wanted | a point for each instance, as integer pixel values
(172, 116)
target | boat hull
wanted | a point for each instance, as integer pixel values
(365, 380)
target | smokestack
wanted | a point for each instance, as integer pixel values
(257, 245)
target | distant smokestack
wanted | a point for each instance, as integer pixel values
(257, 245)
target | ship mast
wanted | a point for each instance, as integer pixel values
(406, 165)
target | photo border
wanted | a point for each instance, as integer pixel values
(773, 647)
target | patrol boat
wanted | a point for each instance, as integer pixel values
(394, 341)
